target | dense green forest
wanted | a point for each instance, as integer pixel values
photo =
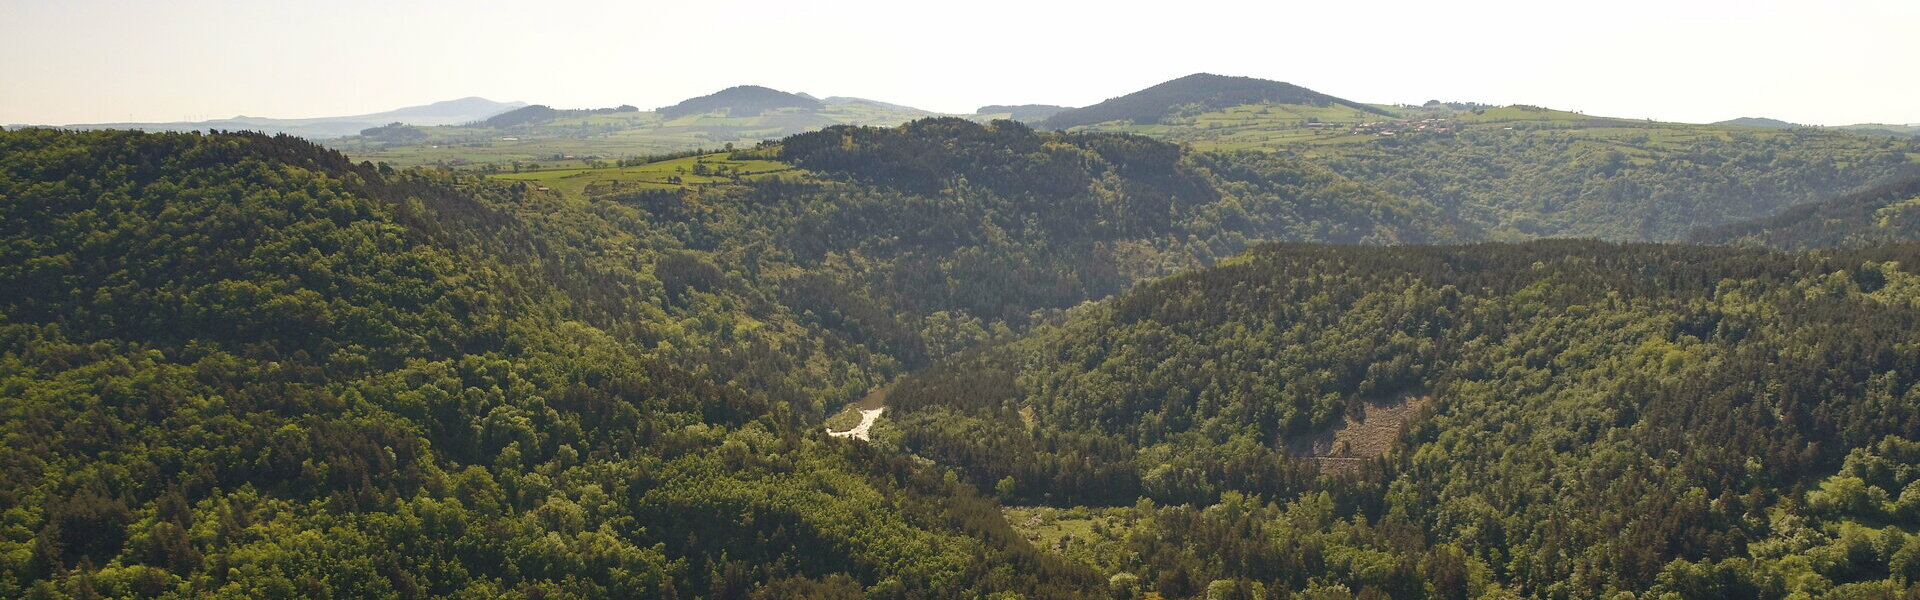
(234, 365)
(244, 366)
(1519, 172)
(1888, 211)
(1652, 184)
(916, 241)
(1604, 421)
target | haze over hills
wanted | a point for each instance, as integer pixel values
(740, 115)
(541, 113)
(447, 112)
(1194, 94)
(831, 100)
(740, 101)
(1503, 169)
(1759, 122)
(1025, 113)
(1888, 211)
(748, 114)
(1910, 129)
(1206, 111)
(1215, 111)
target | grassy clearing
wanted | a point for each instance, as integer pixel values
(495, 148)
(1093, 536)
(847, 418)
(706, 169)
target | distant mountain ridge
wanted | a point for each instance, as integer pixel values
(742, 115)
(1022, 112)
(1760, 122)
(1199, 92)
(541, 113)
(831, 100)
(446, 112)
(1910, 129)
(740, 101)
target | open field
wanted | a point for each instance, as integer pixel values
(1053, 528)
(705, 169)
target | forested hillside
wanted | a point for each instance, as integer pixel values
(947, 325)
(239, 366)
(1616, 183)
(243, 366)
(1888, 211)
(1518, 172)
(918, 240)
(1594, 420)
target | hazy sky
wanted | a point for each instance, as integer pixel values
(1831, 62)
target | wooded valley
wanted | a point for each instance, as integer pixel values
(247, 366)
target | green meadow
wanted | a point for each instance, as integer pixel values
(691, 171)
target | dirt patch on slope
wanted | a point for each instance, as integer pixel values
(1345, 446)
